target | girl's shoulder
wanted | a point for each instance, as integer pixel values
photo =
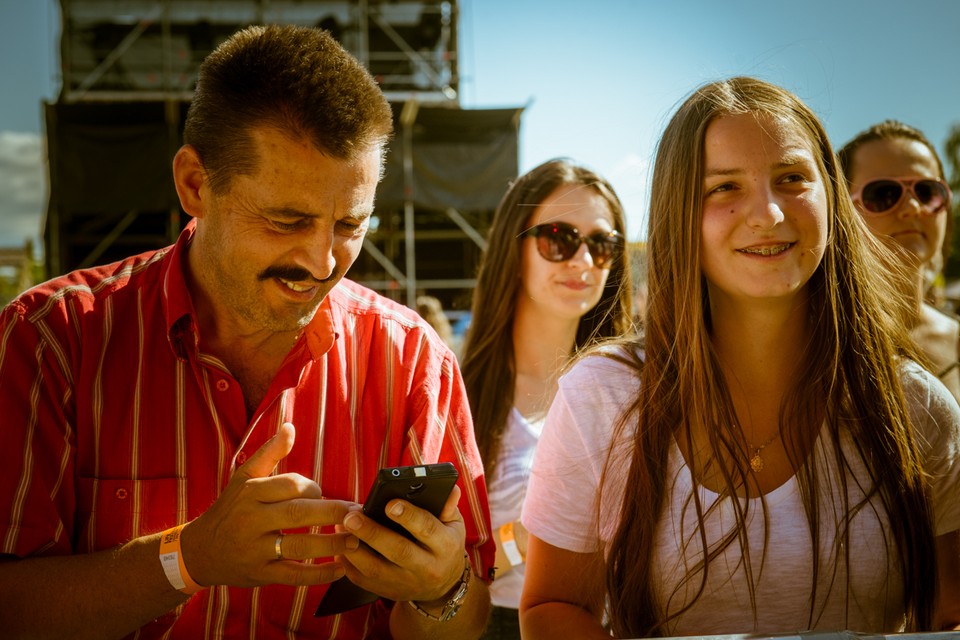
(612, 363)
(933, 410)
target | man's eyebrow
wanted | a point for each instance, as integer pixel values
(289, 212)
(358, 214)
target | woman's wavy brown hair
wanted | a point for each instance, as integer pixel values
(488, 366)
(848, 380)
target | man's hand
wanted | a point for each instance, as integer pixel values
(234, 541)
(401, 569)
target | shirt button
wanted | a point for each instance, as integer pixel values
(241, 457)
(223, 385)
(121, 494)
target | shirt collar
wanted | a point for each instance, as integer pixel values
(322, 330)
(177, 306)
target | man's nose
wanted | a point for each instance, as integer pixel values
(318, 254)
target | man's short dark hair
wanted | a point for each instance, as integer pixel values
(296, 79)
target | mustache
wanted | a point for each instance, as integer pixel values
(295, 274)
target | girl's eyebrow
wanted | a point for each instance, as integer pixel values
(711, 173)
(789, 159)
(793, 158)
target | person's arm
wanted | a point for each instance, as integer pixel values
(563, 593)
(947, 614)
(114, 592)
(98, 595)
(469, 623)
(427, 572)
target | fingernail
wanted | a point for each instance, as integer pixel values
(352, 521)
(338, 572)
(396, 509)
(351, 542)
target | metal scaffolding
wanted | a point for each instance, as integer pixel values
(134, 63)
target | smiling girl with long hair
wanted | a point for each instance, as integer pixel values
(766, 458)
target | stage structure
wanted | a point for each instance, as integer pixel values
(129, 68)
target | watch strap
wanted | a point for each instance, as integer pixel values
(452, 606)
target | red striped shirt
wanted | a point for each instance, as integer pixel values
(116, 426)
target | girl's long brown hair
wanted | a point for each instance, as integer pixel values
(849, 380)
(488, 366)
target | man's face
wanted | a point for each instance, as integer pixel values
(269, 250)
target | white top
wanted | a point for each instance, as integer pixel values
(507, 488)
(570, 458)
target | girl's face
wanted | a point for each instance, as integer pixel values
(918, 231)
(570, 288)
(764, 227)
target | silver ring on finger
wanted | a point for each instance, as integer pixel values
(278, 546)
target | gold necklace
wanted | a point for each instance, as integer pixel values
(756, 462)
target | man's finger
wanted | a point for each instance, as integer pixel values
(304, 512)
(265, 459)
(307, 546)
(450, 512)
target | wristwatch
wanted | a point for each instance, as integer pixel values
(452, 606)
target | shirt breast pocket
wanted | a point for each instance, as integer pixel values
(113, 511)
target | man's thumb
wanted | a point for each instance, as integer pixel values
(262, 463)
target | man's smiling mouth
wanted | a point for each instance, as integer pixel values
(299, 288)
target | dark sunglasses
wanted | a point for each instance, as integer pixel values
(883, 195)
(559, 241)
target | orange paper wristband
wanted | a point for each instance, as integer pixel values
(509, 544)
(171, 557)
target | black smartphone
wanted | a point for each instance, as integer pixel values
(424, 485)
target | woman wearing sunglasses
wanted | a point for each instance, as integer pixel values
(897, 182)
(763, 459)
(554, 278)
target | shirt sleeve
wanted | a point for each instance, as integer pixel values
(935, 416)
(36, 486)
(444, 432)
(566, 505)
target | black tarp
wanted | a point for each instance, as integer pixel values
(461, 158)
(108, 159)
(113, 157)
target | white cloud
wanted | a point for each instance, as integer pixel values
(23, 191)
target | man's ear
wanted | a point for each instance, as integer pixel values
(190, 177)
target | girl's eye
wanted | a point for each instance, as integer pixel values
(720, 188)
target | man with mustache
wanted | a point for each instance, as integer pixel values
(188, 432)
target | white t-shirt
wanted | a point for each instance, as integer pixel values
(507, 488)
(570, 458)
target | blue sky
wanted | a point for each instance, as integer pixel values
(599, 78)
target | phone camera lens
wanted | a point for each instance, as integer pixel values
(396, 473)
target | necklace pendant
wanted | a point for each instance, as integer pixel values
(756, 462)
